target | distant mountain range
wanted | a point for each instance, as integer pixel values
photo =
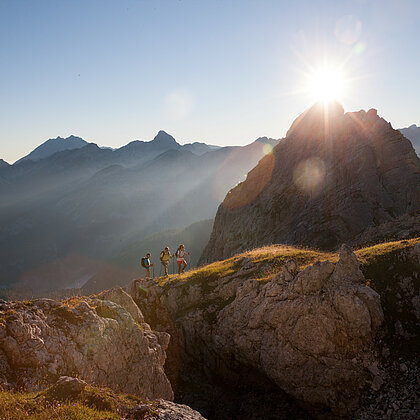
(160, 142)
(412, 133)
(81, 206)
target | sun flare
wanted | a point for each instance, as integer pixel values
(327, 84)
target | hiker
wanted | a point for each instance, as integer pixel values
(146, 263)
(180, 253)
(164, 259)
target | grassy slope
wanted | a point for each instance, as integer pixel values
(371, 259)
(92, 403)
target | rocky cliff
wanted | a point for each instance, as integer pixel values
(308, 331)
(333, 176)
(102, 339)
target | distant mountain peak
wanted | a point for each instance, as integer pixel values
(267, 140)
(164, 139)
(52, 146)
(69, 138)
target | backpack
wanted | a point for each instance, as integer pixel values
(161, 255)
(177, 253)
(143, 264)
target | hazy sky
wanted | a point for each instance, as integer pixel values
(223, 72)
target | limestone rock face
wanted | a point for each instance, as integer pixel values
(102, 340)
(310, 332)
(331, 178)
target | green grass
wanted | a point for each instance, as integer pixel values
(92, 403)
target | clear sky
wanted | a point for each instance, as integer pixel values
(222, 72)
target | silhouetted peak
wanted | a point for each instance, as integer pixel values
(164, 139)
(317, 120)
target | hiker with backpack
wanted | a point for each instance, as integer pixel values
(146, 263)
(180, 253)
(164, 259)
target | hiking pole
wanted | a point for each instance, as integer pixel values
(153, 271)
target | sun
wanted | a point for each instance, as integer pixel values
(326, 84)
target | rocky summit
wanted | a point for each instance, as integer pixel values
(333, 176)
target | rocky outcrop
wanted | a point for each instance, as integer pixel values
(310, 332)
(332, 177)
(170, 411)
(103, 339)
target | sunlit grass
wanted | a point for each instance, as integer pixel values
(92, 403)
(279, 254)
(210, 272)
(275, 256)
(366, 255)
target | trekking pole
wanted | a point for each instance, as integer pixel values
(153, 271)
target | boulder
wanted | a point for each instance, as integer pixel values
(102, 341)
